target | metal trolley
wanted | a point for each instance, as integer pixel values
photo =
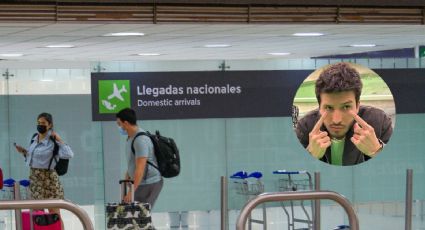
(296, 181)
(250, 185)
(13, 191)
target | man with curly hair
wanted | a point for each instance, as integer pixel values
(341, 131)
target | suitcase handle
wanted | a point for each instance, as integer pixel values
(126, 187)
(289, 172)
(126, 181)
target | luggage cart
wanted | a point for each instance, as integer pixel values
(24, 219)
(250, 185)
(6, 194)
(24, 189)
(8, 191)
(296, 181)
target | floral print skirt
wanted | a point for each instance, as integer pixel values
(45, 184)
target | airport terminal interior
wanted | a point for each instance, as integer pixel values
(54, 62)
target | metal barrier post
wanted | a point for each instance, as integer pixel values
(40, 204)
(409, 200)
(316, 220)
(285, 196)
(224, 214)
(18, 212)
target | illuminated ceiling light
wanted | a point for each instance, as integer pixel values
(11, 55)
(123, 34)
(279, 54)
(307, 34)
(149, 54)
(217, 45)
(60, 46)
(362, 45)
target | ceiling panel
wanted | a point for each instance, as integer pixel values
(185, 41)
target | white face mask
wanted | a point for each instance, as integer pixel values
(122, 131)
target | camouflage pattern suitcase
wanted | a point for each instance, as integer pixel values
(125, 216)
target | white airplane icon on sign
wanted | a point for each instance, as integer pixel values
(117, 92)
(108, 105)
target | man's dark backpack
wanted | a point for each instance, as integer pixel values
(166, 153)
(61, 167)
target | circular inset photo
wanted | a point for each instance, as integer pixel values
(344, 114)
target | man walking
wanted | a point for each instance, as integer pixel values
(147, 179)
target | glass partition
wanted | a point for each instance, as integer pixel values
(269, 144)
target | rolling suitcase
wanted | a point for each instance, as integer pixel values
(36, 220)
(128, 216)
(40, 221)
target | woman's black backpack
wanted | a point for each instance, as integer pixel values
(166, 153)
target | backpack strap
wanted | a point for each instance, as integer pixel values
(132, 143)
(134, 151)
(32, 138)
(31, 141)
(55, 151)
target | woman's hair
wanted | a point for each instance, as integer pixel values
(47, 116)
(339, 77)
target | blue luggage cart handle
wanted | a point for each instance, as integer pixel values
(239, 175)
(24, 183)
(245, 175)
(289, 172)
(9, 182)
(256, 175)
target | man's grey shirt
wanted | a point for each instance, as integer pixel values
(143, 148)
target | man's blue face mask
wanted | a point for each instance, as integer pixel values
(122, 131)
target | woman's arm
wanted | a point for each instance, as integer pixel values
(21, 150)
(65, 150)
